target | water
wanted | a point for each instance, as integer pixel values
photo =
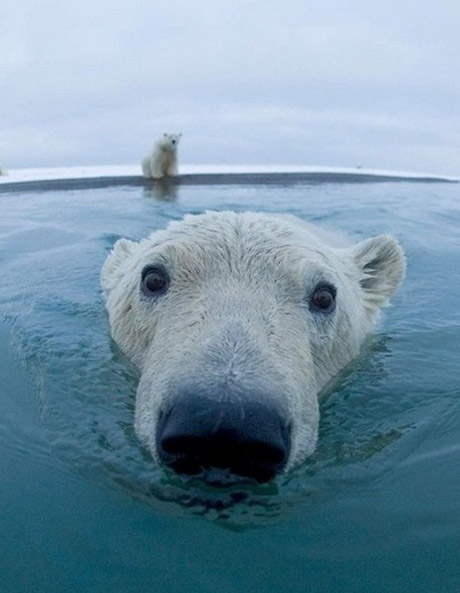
(377, 509)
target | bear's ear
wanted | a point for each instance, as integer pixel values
(381, 267)
(115, 264)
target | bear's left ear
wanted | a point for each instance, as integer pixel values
(115, 266)
(381, 267)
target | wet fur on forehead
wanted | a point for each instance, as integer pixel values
(251, 246)
(238, 237)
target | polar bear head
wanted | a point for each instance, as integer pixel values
(236, 322)
(169, 141)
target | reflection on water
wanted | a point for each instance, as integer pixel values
(166, 189)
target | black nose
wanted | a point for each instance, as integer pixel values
(249, 439)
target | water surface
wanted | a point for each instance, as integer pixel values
(376, 509)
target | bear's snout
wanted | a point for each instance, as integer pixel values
(244, 438)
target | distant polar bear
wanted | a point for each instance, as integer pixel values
(162, 159)
(236, 322)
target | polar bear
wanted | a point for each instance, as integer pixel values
(236, 322)
(162, 159)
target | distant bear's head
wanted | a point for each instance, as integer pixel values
(236, 321)
(170, 141)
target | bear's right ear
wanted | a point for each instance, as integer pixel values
(115, 265)
(381, 264)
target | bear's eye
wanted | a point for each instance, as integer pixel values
(155, 280)
(323, 298)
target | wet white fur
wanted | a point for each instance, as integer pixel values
(238, 310)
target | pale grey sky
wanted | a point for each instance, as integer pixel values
(340, 82)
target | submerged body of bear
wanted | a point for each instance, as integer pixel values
(236, 322)
(162, 159)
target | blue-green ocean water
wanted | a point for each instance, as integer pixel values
(82, 509)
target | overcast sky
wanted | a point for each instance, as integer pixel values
(342, 83)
